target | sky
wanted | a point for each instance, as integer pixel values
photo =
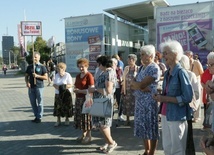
(52, 12)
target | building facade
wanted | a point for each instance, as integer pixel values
(91, 35)
(7, 45)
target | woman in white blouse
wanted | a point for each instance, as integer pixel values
(63, 106)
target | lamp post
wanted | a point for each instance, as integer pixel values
(9, 59)
(10, 51)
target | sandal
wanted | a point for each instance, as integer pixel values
(102, 148)
(111, 148)
(80, 138)
(127, 123)
(86, 140)
(57, 124)
(67, 122)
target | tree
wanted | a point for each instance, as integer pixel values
(16, 54)
(40, 46)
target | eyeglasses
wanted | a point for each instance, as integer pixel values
(210, 65)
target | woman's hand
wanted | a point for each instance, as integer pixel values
(209, 86)
(91, 89)
(76, 90)
(134, 85)
(158, 98)
(208, 149)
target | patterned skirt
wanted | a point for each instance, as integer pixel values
(129, 105)
(146, 119)
(81, 121)
(63, 105)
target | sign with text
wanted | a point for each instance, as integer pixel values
(190, 24)
(31, 28)
(83, 34)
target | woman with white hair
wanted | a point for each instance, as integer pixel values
(175, 98)
(207, 144)
(146, 108)
(190, 148)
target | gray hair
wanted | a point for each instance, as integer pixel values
(149, 50)
(132, 56)
(189, 52)
(114, 60)
(210, 56)
(174, 46)
(185, 62)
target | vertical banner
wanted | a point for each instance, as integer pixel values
(21, 40)
(84, 39)
(190, 24)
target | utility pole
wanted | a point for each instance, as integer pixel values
(9, 58)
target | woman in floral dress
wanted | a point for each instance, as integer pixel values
(129, 74)
(105, 86)
(146, 108)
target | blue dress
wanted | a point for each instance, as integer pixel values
(146, 108)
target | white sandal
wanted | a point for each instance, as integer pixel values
(111, 148)
(103, 148)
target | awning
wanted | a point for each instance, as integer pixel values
(138, 13)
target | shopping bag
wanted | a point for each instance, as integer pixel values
(86, 107)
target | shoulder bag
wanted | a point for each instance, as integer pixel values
(101, 107)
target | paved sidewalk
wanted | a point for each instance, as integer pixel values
(19, 136)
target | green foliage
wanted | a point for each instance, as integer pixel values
(40, 46)
(17, 53)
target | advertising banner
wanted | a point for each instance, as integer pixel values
(190, 24)
(84, 39)
(31, 28)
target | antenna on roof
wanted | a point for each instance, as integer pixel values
(6, 31)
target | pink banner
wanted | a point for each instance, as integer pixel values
(180, 36)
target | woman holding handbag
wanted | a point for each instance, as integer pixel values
(105, 86)
(84, 80)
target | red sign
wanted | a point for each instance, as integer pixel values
(92, 66)
(94, 39)
(95, 48)
(93, 56)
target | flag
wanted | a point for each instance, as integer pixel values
(21, 41)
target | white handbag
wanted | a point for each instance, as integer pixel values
(101, 107)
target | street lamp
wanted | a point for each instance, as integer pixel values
(9, 59)
(10, 51)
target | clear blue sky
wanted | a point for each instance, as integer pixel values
(50, 13)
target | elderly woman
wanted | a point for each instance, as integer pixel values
(129, 74)
(207, 144)
(62, 83)
(146, 108)
(84, 80)
(176, 95)
(190, 148)
(105, 86)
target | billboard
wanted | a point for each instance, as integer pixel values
(84, 39)
(190, 24)
(31, 28)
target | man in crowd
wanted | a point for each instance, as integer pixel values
(34, 76)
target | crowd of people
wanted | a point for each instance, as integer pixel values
(169, 93)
